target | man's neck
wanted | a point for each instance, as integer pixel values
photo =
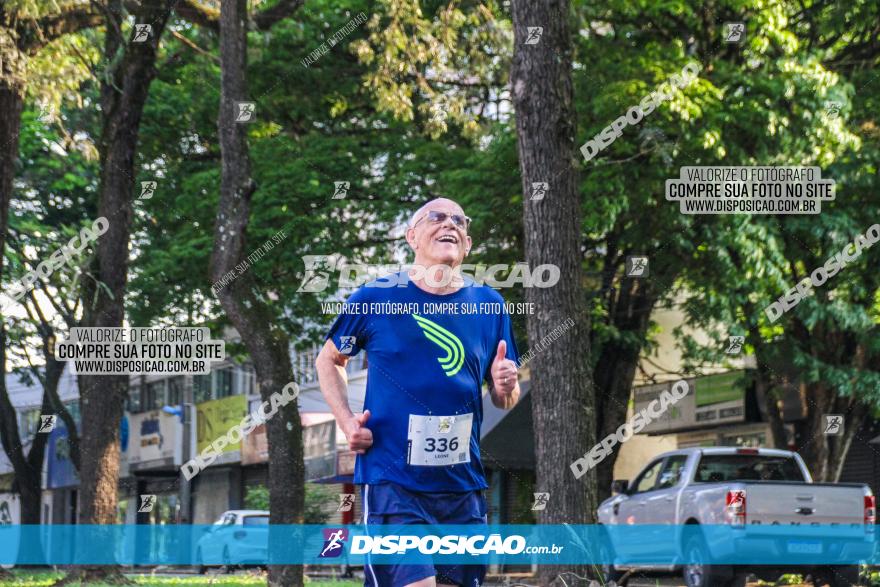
(440, 283)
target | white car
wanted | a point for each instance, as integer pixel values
(751, 491)
(238, 537)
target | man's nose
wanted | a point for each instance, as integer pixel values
(448, 223)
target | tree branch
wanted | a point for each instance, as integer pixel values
(282, 9)
(199, 14)
(49, 28)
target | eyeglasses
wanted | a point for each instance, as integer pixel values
(434, 217)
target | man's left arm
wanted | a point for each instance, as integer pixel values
(504, 379)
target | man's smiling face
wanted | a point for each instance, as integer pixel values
(440, 242)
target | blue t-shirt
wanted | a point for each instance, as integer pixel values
(427, 355)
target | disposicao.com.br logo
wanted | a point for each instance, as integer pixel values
(451, 544)
(334, 542)
(320, 270)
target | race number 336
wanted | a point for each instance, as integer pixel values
(437, 441)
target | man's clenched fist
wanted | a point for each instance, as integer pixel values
(503, 371)
(358, 435)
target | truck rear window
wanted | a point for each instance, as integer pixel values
(720, 468)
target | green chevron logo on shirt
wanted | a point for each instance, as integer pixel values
(447, 341)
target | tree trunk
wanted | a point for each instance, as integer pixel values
(13, 60)
(11, 103)
(54, 370)
(616, 368)
(123, 96)
(12, 64)
(12, 71)
(766, 387)
(266, 343)
(855, 417)
(814, 445)
(103, 397)
(562, 395)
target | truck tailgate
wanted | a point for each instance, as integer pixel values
(804, 503)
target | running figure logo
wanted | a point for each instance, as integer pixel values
(340, 189)
(636, 266)
(334, 540)
(541, 500)
(735, 344)
(346, 502)
(833, 425)
(347, 343)
(445, 424)
(148, 188)
(317, 275)
(534, 35)
(735, 32)
(142, 32)
(539, 190)
(147, 503)
(245, 111)
(832, 110)
(47, 424)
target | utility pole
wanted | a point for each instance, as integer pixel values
(186, 453)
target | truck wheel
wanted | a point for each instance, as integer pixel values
(838, 576)
(697, 573)
(607, 573)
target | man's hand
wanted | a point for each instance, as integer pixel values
(359, 437)
(504, 377)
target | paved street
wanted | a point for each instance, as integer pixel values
(491, 581)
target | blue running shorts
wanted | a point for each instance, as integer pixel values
(389, 503)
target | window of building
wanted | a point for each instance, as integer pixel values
(752, 440)
(30, 421)
(154, 395)
(175, 391)
(248, 378)
(223, 383)
(133, 403)
(201, 388)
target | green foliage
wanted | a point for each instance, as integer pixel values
(759, 103)
(414, 104)
(432, 59)
(316, 125)
(319, 500)
(256, 497)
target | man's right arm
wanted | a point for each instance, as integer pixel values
(333, 381)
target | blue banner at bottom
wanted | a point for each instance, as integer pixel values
(789, 545)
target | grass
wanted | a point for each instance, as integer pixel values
(46, 578)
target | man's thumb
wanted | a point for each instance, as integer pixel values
(502, 350)
(362, 419)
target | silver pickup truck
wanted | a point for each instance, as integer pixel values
(752, 495)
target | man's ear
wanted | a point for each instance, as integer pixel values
(470, 244)
(411, 237)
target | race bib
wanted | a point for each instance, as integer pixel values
(439, 441)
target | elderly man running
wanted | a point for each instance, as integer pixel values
(418, 439)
